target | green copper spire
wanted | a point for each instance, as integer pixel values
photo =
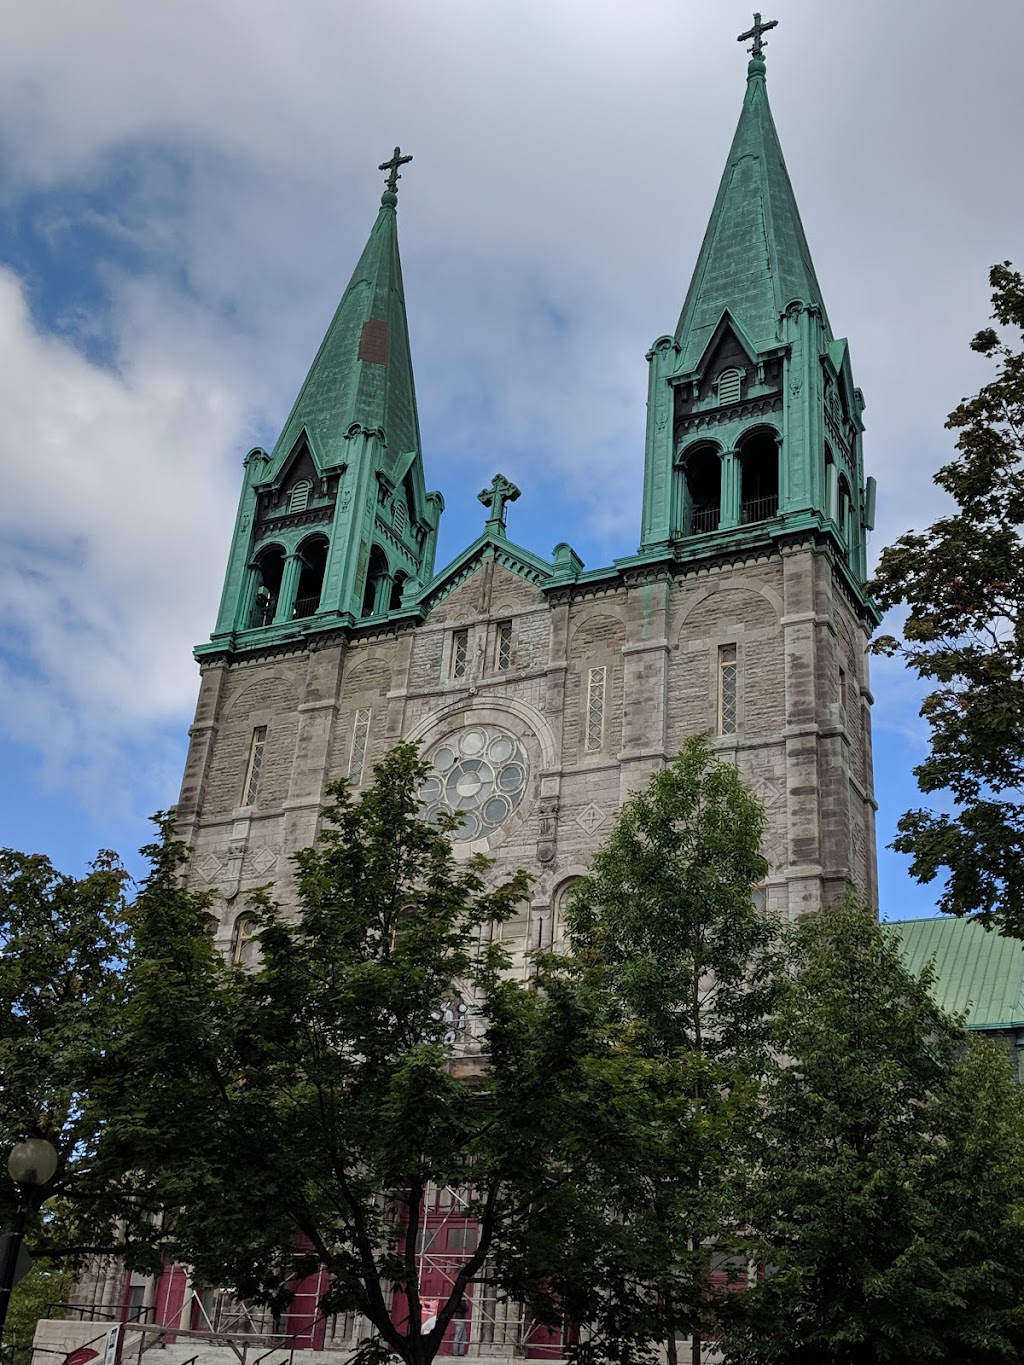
(755, 260)
(754, 422)
(335, 524)
(362, 373)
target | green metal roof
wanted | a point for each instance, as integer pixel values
(362, 374)
(978, 973)
(755, 260)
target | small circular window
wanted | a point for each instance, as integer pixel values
(479, 776)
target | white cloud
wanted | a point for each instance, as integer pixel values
(111, 534)
(567, 155)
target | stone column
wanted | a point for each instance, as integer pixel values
(289, 587)
(382, 594)
(729, 506)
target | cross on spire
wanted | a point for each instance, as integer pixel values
(501, 491)
(757, 33)
(397, 159)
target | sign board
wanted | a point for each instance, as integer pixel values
(110, 1349)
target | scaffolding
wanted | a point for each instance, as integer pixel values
(497, 1324)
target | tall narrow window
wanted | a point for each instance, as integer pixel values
(843, 511)
(360, 735)
(252, 773)
(460, 652)
(702, 470)
(313, 561)
(242, 940)
(595, 707)
(759, 477)
(728, 688)
(842, 688)
(504, 659)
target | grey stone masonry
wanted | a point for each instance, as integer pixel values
(599, 684)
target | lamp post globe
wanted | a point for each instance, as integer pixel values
(31, 1165)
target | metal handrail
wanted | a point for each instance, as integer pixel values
(759, 509)
(704, 517)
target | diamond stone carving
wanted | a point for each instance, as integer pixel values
(209, 867)
(590, 818)
(262, 860)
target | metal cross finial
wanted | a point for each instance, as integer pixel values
(757, 33)
(397, 160)
(501, 491)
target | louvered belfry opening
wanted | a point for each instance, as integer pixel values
(313, 555)
(759, 477)
(702, 469)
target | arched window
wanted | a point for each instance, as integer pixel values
(397, 588)
(702, 470)
(831, 485)
(313, 555)
(843, 509)
(759, 477)
(559, 911)
(730, 386)
(244, 945)
(399, 515)
(299, 499)
(376, 575)
(269, 569)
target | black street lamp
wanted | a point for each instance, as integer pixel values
(31, 1165)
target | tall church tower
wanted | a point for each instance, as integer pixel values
(542, 692)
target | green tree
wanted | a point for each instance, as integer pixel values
(962, 582)
(37, 1296)
(669, 939)
(886, 1206)
(294, 1113)
(63, 942)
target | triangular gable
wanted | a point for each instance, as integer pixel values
(408, 473)
(303, 450)
(839, 357)
(518, 560)
(726, 324)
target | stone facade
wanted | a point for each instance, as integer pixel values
(802, 738)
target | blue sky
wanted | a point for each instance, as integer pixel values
(186, 188)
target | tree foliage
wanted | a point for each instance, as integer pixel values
(37, 1296)
(962, 582)
(888, 1198)
(63, 943)
(683, 961)
(295, 1113)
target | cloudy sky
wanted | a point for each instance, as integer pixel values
(185, 191)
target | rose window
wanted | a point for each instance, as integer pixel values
(478, 775)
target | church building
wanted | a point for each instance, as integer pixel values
(542, 691)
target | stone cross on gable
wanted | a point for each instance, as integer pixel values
(397, 159)
(501, 491)
(757, 33)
